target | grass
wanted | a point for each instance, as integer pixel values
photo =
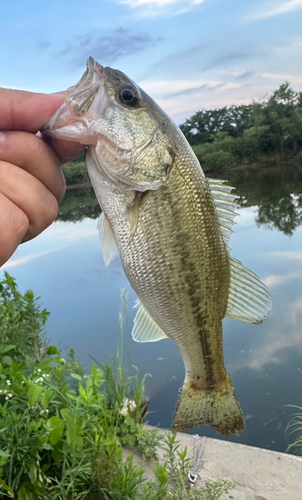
(295, 427)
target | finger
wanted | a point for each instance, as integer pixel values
(33, 155)
(27, 111)
(13, 227)
(67, 150)
(36, 201)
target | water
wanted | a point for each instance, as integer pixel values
(64, 266)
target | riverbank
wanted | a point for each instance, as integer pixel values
(77, 176)
(259, 474)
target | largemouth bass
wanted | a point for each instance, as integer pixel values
(171, 226)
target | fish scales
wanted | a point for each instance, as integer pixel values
(162, 215)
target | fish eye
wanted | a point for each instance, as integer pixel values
(128, 95)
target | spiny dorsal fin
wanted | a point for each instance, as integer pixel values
(225, 206)
(107, 239)
(248, 299)
(145, 329)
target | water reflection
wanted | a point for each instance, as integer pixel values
(78, 204)
(276, 191)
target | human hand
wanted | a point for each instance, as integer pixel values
(31, 181)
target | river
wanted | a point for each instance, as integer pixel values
(64, 266)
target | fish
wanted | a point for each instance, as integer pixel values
(171, 226)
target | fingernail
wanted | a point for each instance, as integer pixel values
(2, 138)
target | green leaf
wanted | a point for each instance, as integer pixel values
(2, 452)
(57, 454)
(51, 350)
(76, 376)
(10, 492)
(68, 416)
(6, 348)
(7, 360)
(33, 394)
(56, 425)
(82, 392)
(46, 364)
(33, 472)
(45, 398)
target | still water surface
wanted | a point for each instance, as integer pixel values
(64, 266)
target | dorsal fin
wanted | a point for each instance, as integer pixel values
(145, 329)
(107, 239)
(225, 206)
(249, 299)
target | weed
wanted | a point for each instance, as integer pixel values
(295, 427)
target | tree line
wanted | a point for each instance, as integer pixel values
(266, 130)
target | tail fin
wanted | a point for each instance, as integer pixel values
(218, 407)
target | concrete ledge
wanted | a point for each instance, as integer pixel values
(258, 473)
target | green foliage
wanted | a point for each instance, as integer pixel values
(295, 427)
(75, 171)
(22, 321)
(275, 191)
(78, 204)
(205, 124)
(262, 131)
(171, 478)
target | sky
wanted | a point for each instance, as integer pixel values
(186, 54)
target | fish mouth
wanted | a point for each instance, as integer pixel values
(68, 121)
(93, 73)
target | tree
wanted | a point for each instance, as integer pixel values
(204, 124)
(282, 115)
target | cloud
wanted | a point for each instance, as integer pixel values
(16, 262)
(284, 336)
(293, 79)
(108, 48)
(160, 3)
(205, 87)
(271, 10)
(43, 45)
(276, 280)
(226, 58)
(287, 254)
(150, 8)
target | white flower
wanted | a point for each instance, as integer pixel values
(8, 382)
(128, 407)
(44, 411)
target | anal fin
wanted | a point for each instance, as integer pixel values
(145, 329)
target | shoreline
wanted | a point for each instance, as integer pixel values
(297, 162)
(259, 474)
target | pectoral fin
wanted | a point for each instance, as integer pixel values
(107, 239)
(249, 299)
(145, 329)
